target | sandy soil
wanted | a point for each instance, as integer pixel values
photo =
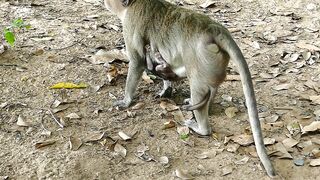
(276, 38)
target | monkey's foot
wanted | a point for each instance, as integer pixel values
(122, 104)
(192, 124)
(165, 93)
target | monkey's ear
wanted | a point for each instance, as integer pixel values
(126, 3)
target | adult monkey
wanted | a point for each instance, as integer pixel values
(195, 47)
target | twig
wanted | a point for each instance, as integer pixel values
(283, 108)
(77, 42)
(55, 119)
(9, 65)
(42, 124)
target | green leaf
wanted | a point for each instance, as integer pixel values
(184, 136)
(28, 26)
(9, 37)
(18, 23)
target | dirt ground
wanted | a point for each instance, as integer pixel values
(280, 40)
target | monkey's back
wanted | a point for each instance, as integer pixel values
(167, 20)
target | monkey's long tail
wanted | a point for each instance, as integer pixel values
(226, 42)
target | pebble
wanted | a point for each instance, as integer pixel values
(299, 162)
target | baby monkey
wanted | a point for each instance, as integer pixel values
(159, 67)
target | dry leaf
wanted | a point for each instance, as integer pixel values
(145, 157)
(3, 105)
(2, 48)
(168, 106)
(55, 110)
(114, 27)
(44, 143)
(96, 136)
(227, 170)
(75, 143)
(243, 139)
(283, 151)
(315, 99)
(289, 142)
(147, 78)
(163, 160)
(306, 55)
(294, 128)
(231, 111)
(21, 122)
(314, 126)
(281, 87)
(313, 85)
(119, 149)
(309, 47)
(305, 144)
(316, 140)
(68, 85)
(183, 174)
(206, 155)
(317, 113)
(56, 103)
(178, 116)
(293, 57)
(102, 56)
(169, 124)
(38, 52)
(124, 136)
(315, 162)
(112, 73)
(73, 116)
(226, 139)
(266, 76)
(142, 148)
(233, 77)
(46, 132)
(269, 141)
(232, 147)
(242, 161)
(189, 2)
(208, 4)
(183, 130)
(272, 119)
(138, 106)
(316, 153)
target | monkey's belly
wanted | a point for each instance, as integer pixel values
(180, 72)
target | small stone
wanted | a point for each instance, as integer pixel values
(298, 162)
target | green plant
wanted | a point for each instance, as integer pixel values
(9, 31)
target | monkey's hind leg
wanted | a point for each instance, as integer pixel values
(199, 91)
(191, 107)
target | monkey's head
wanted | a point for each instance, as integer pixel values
(117, 7)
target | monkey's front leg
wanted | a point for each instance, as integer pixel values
(136, 68)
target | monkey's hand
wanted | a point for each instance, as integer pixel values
(122, 104)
